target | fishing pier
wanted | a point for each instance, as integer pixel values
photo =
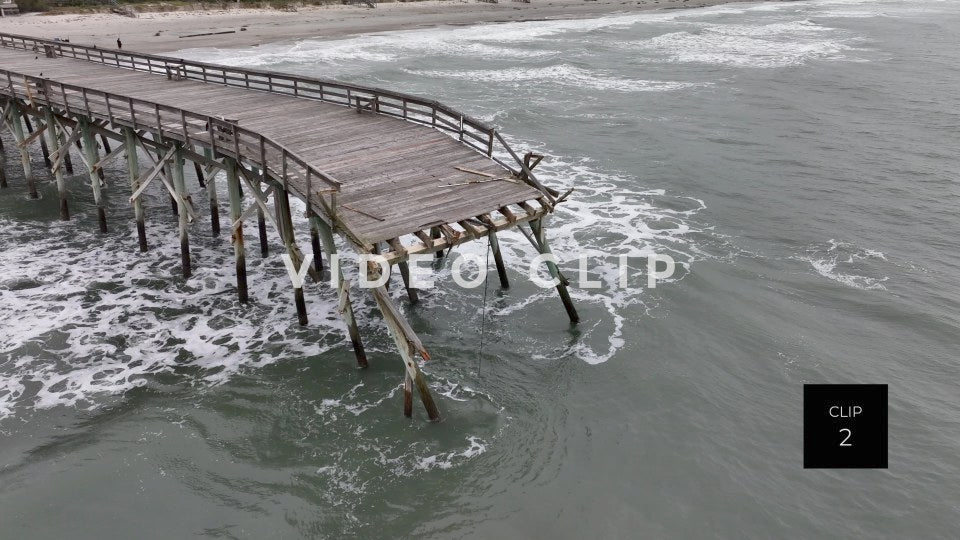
(389, 173)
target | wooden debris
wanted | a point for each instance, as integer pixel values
(209, 34)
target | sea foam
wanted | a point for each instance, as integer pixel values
(562, 74)
(847, 264)
(753, 46)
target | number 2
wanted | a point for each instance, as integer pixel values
(847, 438)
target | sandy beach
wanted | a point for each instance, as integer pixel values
(175, 30)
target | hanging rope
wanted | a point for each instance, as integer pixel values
(483, 314)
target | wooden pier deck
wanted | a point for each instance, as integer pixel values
(393, 174)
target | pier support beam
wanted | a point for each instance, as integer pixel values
(211, 185)
(261, 218)
(90, 151)
(14, 121)
(435, 234)
(53, 139)
(133, 168)
(43, 143)
(286, 229)
(498, 258)
(377, 250)
(262, 229)
(198, 170)
(409, 345)
(174, 207)
(3, 172)
(282, 219)
(106, 144)
(65, 148)
(343, 289)
(95, 152)
(538, 228)
(405, 274)
(236, 218)
(180, 186)
(315, 243)
(407, 395)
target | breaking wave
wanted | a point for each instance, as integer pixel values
(760, 46)
(80, 322)
(377, 48)
(847, 264)
(563, 74)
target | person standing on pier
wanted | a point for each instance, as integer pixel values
(119, 44)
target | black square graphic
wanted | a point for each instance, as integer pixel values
(844, 426)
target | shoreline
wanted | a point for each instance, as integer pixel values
(162, 32)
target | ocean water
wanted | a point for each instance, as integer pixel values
(799, 161)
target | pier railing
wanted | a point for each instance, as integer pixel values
(468, 130)
(171, 123)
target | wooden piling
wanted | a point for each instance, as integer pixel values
(435, 234)
(405, 274)
(315, 243)
(409, 345)
(498, 258)
(3, 172)
(377, 250)
(236, 214)
(16, 126)
(538, 228)
(53, 139)
(181, 188)
(407, 395)
(43, 143)
(90, 150)
(106, 143)
(174, 206)
(96, 156)
(133, 169)
(343, 291)
(262, 229)
(433, 413)
(286, 227)
(198, 170)
(67, 160)
(211, 185)
(261, 220)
